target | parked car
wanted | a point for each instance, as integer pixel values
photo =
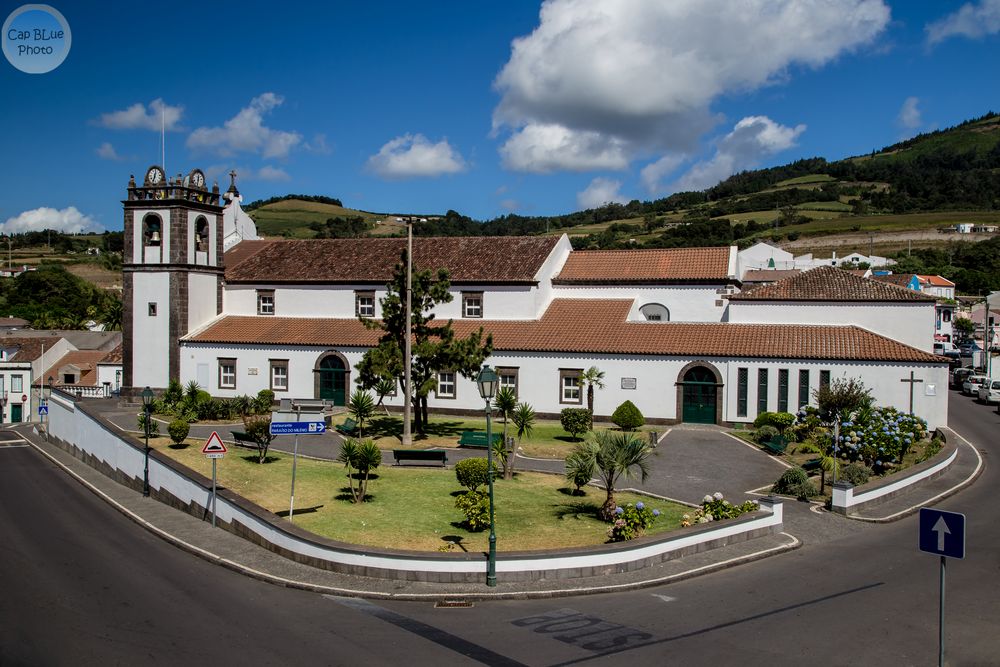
(959, 376)
(989, 392)
(971, 385)
(968, 347)
(946, 349)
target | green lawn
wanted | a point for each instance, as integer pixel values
(803, 180)
(547, 440)
(414, 508)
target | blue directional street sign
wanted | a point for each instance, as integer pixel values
(942, 533)
(298, 428)
(43, 409)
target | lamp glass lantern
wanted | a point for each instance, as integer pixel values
(487, 380)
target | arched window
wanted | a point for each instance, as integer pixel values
(152, 227)
(201, 234)
(655, 312)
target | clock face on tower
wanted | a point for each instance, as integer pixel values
(154, 176)
(197, 179)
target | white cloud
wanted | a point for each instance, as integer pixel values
(246, 133)
(510, 205)
(974, 20)
(412, 155)
(141, 117)
(68, 220)
(269, 173)
(653, 174)
(752, 138)
(107, 152)
(611, 81)
(540, 148)
(909, 114)
(600, 191)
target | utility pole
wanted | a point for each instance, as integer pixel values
(408, 390)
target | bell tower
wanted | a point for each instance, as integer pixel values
(172, 272)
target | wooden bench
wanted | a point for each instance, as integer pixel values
(438, 455)
(348, 427)
(242, 439)
(476, 439)
(776, 445)
(812, 464)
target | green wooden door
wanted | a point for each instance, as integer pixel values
(699, 396)
(15, 413)
(333, 380)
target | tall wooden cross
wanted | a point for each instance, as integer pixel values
(912, 382)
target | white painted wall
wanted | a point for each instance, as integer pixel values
(149, 355)
(909, 323)
(686, 303)
(110, 374)
(202, 294)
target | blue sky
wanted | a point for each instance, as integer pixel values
(485, 108)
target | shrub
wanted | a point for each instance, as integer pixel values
(631, 521)
(627, 417)
(795, 482)
(883, 435)
(472, 473)
(779, 420)
(576, 421)
(154, 426)
(855, 473)
(931, 450)
(715, 508)
(178, 430)
(476, 507)
(363, 456)
(764, 433)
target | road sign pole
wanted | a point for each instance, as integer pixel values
(214, 461)
(295, 454)
(941, 619)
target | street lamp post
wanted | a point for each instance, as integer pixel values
(407, 439)
(147, 408)
(488, 381)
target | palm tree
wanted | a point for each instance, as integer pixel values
(505, 402)
(111, 318)
(592, 377)
(362, 408)
(363, 456)
(611, 455)
(523, 417)
(383, 388)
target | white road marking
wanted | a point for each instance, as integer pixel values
(665, 598)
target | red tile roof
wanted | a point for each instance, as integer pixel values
(769, 275)
(828, 283)
(593, 326)
(244, 250)
(901, 279)
(469, 259)
(28, 348)
(937, 281)
(669, 265)
(85, 360)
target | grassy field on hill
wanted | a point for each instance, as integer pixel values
(292, 218)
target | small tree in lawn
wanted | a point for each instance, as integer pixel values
(384, 386)
(505, 402)
(580, 466)
(362, 456)
(362, 408)
(837, 401)
(256, 415)
(576, 421)
(524, 421)
(592, 377)
(614, 455)
(628, 417)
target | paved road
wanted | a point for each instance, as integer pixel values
(82, 584)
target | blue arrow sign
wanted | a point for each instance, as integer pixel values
(942, 533)
(298, 428)
(43, 409)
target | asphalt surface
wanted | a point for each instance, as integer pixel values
(82, 584)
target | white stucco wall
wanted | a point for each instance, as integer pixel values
(149, 358)
(909, 323)
(202, 295)
(110, 374)
(686, 303)
(655, 380)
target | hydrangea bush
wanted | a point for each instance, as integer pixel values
(880, 438)
(631, 521)
(715, 507)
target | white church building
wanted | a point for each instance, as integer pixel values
(206, 300)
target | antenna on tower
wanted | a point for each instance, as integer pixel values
(163, 138)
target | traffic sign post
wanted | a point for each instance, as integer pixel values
(942, 534)
(214, 449)
(296, 428)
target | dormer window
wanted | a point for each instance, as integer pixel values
(655, 312)
(472, 304)
(265, 302)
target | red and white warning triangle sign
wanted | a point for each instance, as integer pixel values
(214, 446)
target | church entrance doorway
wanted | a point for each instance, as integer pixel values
(333, 380)
(699, 396)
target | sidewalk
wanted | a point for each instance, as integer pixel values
(962, 472)
(216, 545)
